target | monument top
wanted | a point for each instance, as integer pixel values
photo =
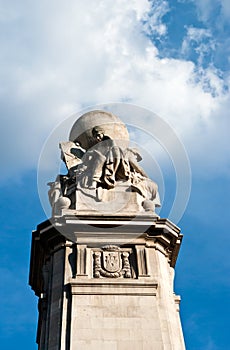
(81, 131)
(104, 176)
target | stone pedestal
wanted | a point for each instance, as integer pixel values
(106, 283)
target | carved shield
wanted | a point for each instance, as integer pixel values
(112, 261)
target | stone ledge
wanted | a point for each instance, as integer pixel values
(54, 234)
(111, 287)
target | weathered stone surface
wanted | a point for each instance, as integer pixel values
(138, 311)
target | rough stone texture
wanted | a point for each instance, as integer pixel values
(83, 310)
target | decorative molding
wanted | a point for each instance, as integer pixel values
(95, 232)
(114, 287)
(142, 261)
(81, 260)
(111, 262)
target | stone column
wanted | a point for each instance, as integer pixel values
(108, 286)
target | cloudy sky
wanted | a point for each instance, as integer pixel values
(171, 58)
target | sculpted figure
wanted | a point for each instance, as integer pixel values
(108, 161)
(55, 191)
(56, 194)
(103, 164)
(138, 177)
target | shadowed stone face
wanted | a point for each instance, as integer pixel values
(98, 133)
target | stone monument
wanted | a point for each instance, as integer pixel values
(103, 264)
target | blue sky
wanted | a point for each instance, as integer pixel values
(170, 57)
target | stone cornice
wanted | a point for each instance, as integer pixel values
(57, 233)
(109, 286)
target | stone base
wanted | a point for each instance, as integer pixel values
(111, 287)
(121, 200)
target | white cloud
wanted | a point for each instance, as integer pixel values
(57, 57)
(153, 19)
(215, 15)
(208, 9)
(200, 41)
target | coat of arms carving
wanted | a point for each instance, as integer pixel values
(111, 261)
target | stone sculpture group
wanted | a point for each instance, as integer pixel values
(104, 168)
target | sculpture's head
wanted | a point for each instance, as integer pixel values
(109, 125)
(98, 133)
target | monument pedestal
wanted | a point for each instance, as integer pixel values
(106, 283)
(103, 266)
